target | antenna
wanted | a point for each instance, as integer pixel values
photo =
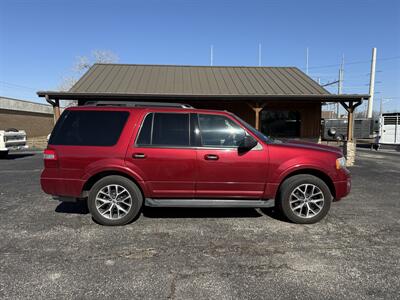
(259, 54)
(307, 61)
(211, 55)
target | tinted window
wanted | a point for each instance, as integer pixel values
(89, 128)
(220, 131)
(167, 129)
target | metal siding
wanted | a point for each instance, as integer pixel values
(271, 81)
(196, 80)
(287, 87)
(98, 84)
(306, 79)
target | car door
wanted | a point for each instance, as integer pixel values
(163, 156)
(223, 172)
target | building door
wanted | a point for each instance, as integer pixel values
(281, 123)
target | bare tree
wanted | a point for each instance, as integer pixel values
(81, 65)
(104, 56)
(66, 83)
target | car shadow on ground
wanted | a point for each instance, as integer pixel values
(183, 212)
(12, 156)
(79, 207)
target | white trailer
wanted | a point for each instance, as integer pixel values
(12, 139)
(389, 129)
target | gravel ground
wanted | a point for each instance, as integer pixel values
(52, 250)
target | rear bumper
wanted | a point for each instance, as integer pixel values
(62, 187)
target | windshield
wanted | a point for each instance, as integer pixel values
(250, 128)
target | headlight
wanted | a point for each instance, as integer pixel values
(340, 163)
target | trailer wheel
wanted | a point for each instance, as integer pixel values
(3, 154)
(339, 137)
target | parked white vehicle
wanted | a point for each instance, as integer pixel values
(389, 129)
(12, 139)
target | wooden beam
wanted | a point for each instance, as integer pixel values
(257, 108)
(350, 117)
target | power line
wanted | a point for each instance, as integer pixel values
(17, 85)
(354, 63)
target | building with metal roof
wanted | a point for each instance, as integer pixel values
(35, 118)
(281, 101)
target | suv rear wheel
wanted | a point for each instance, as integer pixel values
(304, 199)
(114, 200)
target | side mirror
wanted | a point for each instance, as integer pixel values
(247, 144)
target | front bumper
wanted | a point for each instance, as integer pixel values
(16, 147)
(342, 188)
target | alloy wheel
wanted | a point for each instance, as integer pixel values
(306, 200)
(113, 201)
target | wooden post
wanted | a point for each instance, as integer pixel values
(350, 146)
(350, 120)
(56, 107)
(257, 109)
(56, 110)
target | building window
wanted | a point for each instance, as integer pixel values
(281, 123)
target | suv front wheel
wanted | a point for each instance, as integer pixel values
(304, 199)
(114, 200)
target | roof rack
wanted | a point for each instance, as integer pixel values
(136, 104)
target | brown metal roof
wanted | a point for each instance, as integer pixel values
(196, 80)
(164, 81)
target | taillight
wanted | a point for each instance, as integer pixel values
(49, 154)
(50, 158)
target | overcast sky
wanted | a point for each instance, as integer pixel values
(39, 40)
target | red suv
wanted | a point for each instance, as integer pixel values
(121, 156)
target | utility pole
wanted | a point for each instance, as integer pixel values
(307, 61)
(371, 84)
(259, 55)
(381, 106)
(340, 85)
(211, 55)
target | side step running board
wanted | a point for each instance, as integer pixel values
(208, 203)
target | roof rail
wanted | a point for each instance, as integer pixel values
(136, 104)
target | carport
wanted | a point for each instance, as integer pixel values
(253, 93)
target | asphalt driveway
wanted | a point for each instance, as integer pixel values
(52, 250)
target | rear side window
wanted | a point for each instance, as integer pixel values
(164, 129)
(89, 128)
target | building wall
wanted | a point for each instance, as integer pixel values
(310, 112)
(35, 124)
(310, 115)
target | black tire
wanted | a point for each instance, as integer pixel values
(3, 154)
(289, 185)
(130, 186)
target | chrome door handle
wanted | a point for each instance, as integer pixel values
(211, 157)
(139, 155)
